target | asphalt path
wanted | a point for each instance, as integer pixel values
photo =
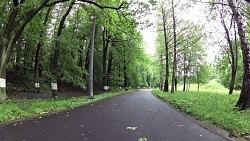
(126, 117)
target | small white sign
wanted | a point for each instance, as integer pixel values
(106, 87)
(37, 85)
(54, 86)
(2, 83)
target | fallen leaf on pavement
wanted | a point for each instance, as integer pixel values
(180, 125)
(132, 128)
(142, 139)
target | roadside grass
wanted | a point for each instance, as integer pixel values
(212, 107)
(18, 109)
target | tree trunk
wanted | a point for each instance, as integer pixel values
(91, 60)
(38, 53)
(233, 76)
(233, 60)
(87, 57)
(175, 52)
(111, 58)
(175, 83)
(244, 100)
(235, 67)
(161, 72)
(166, 49)
(104, 59)
(80, 56)
(125, 73)
(185, 73)
(3, 94)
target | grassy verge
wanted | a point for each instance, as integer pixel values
(213, 107)
(12, 110)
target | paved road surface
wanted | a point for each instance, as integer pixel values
(108, 121)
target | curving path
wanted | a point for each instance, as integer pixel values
(126, 117)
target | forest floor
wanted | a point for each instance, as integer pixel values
(136, 116)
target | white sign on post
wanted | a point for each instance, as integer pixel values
(106, 87)
(54, 86)
(37, 85)
(2, 83)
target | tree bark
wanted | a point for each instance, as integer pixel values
(161, 72)
(175, 52)
(104, 58)
(232, 54)
(125, 73)
(110, 61)
(166, 50)
(38, 51)
(185, 73)
(91, 60)
(244, 100)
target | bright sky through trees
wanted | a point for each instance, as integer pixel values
(196, 14)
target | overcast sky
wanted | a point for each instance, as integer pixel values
(197, 15)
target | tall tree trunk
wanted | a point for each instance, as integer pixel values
(110, 60)
(232, 54)
(87, 57)
(175, 52)
(175, 83)
(91, 60)
(198, 80)
(125, 73)
(235, 67)
(104, 58)
(119, 75)
(38, 53)
(80, 56)
(185, 73)
(166, 49)
(161, 72)
(244, 100)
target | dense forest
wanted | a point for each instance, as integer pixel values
(49, 42)
(55, 42)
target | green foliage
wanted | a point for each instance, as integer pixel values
(213, 85)
(217, 108)
(223, 70)
(204, 73)
(12, 110)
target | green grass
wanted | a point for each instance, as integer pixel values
(12, 110)
(213, 107)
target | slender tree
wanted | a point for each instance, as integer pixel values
(244, 100)
(175, 49)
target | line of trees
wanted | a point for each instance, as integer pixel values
(179, 41)
(50, 40)
(179, 46)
